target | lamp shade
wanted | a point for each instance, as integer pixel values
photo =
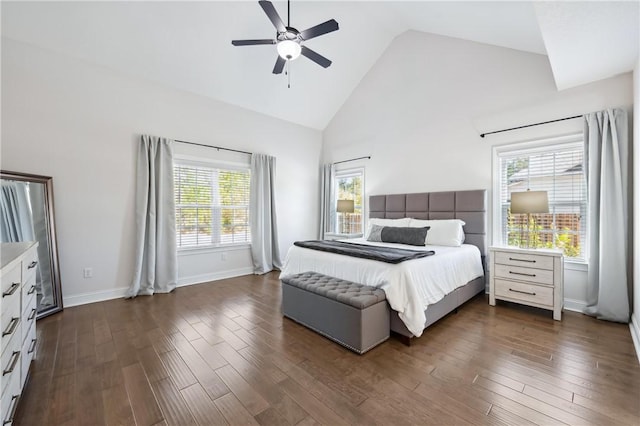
(345, 206)
(529, 202)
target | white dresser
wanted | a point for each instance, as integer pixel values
(17, 321)
(533, 277)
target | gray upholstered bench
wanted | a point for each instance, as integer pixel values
(354, 315)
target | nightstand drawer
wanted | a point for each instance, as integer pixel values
(524, 259)
(529, 293)
(536, 276)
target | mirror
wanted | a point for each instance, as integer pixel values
(26, 214)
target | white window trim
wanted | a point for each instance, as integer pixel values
(191, 160)
(345, 172)
(528, 147)
(192, 250)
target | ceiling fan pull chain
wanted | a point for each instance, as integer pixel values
(288, 75)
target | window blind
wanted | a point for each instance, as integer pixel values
(212, 205)
(557, 169)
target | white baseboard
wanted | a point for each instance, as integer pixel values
(96, 296)
(634, 326)
(574, 305)
(116, 293)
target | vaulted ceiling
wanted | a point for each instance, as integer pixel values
(187, 45)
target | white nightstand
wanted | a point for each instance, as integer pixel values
(533, 277)
(337, 236)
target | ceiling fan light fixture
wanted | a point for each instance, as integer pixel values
(289, 49)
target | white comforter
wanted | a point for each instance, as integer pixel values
(409, 286)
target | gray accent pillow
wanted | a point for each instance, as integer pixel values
(375, 234)
(399, 235)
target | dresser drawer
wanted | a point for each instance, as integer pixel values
(10, 362)
(28, 315)
(10, 288)
(28, 353)
(522, 292)
(536, 276)
(28, 290)
(10, 323)
(29, 264)
(524, 259)
(9, 401)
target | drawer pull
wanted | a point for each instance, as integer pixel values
(12, 412)
(33, 346)
(15, 356)
(12, 289)
(522, 260)
(32, 315)
(32, 264)
(520, 273)
(523, 292)
(32, 289)
(12, 326)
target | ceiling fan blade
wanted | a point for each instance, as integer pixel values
(275, 19)
(315, 57)
(279, 65)
(318, 30)
(252, 42)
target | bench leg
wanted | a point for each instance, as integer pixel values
(406, 340)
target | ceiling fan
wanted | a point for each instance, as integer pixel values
(289, 41)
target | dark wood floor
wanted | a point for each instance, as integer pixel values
(221, 353)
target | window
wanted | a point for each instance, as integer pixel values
(212, 205)
(349, 185)
(558, 169)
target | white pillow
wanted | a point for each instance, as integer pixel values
(444, 232)
(386, 222)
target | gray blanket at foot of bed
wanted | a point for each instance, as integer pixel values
(382, 254)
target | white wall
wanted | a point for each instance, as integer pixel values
(635, 317)
(419, 112)
(80, 124)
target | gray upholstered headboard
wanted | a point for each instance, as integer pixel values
(469, 206)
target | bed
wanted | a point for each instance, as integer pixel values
(420, 291)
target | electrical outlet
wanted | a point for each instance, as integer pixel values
(87, 272)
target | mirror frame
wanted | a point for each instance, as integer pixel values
(47, 181)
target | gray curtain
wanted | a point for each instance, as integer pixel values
(327, 209)
(156, 268)
(262, 215)
(606, 159)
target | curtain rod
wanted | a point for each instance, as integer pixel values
(482, 135)
(368, 157)
(215, 147)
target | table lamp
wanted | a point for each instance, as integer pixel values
(529, 202)
(344, 207)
